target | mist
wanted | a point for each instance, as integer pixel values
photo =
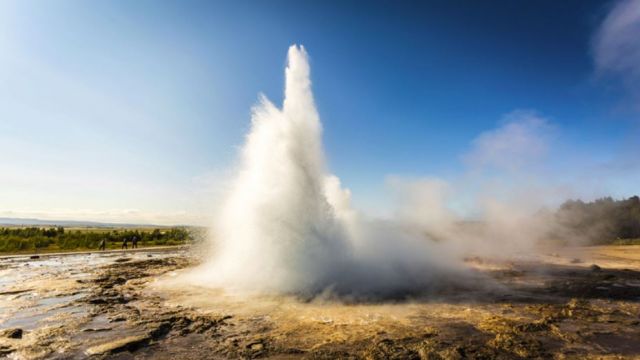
(286, 225)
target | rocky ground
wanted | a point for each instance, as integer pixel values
(131, 306)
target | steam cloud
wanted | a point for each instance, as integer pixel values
(287, 225)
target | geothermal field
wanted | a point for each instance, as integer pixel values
(138, 305)
(291, 270)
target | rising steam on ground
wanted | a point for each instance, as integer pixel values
(286, 225)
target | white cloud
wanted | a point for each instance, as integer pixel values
(616, 44)
(522, 140)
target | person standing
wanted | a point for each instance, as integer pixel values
(125, 242)
(103, 244)
(134, 242)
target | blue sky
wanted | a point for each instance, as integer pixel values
(132, 110)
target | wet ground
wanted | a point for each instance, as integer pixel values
(135, 306)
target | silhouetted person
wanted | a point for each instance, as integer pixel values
(134, 242)
(125, 241)
(103, 244)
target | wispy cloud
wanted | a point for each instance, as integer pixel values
(124, 216)
(522, 139)
(616, 47)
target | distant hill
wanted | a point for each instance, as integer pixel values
(69, 223)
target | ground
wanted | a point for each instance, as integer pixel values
(574, 303)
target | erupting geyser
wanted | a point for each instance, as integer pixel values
(277, 229)
(286, 226)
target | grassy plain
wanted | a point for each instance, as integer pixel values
(32, 240)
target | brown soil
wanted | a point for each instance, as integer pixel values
(548, 308)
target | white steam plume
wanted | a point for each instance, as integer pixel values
(287, 226)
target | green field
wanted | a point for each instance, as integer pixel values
(52, 239)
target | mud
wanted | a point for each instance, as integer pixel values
(134, 306)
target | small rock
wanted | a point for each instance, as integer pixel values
(595, 267)
(97, 329)
(128, 343)
(117, 319)
(12, 333)
(158, 331)
(97, 301)
(6, 350)
(13, 292)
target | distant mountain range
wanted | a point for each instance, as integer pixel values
(68, 223)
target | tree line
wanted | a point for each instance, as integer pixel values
(16, 239)
(602, 221)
